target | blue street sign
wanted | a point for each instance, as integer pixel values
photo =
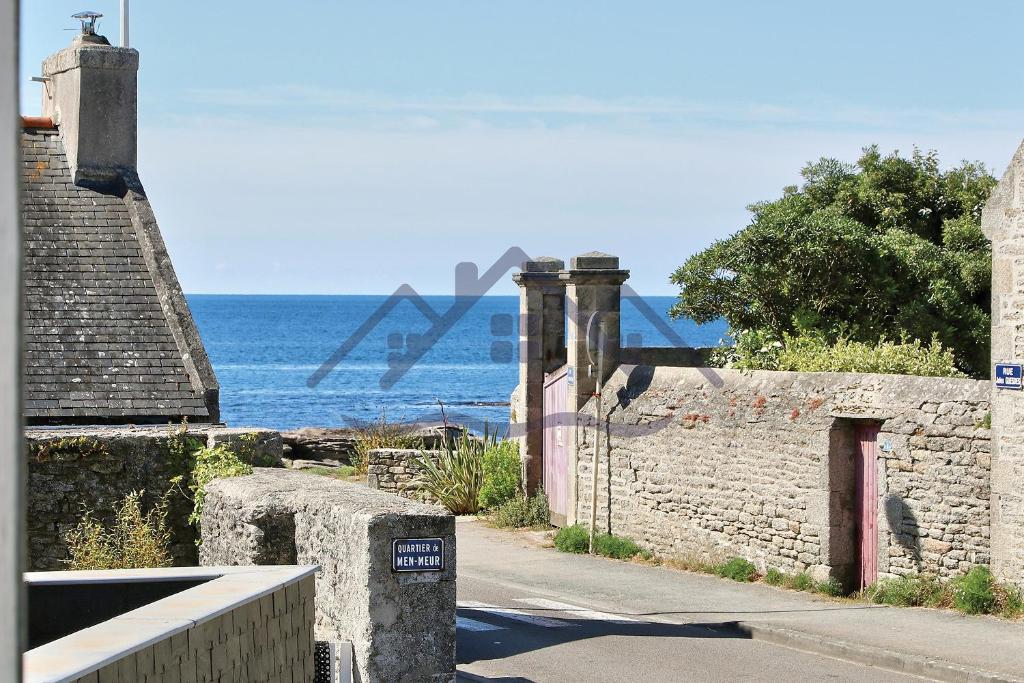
(1008, 376)
(417, 554)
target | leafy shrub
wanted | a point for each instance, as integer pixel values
(773, 577)
(522, 512)
(799, 582)
(973, 593)
(907, 591)
(737, 569)
(456, 476)
(380, 434)
(572, 539)
(618, 547)
(502, 474)
(207, 464)
(799, 264)
(137, 540)
(831, 587)
(809, 353)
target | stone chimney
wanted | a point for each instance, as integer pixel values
(92, 96)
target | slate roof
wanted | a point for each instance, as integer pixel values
(101, 343)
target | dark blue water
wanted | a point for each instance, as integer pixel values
(265, 349)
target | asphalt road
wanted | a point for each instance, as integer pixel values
(508, 631)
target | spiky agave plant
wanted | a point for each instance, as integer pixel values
(454, 477)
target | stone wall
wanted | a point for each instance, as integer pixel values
(71, 470)
(394, 470)
(752, 464)
(1003, 223)
(268, 640)
(401, 625)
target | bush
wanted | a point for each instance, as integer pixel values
(522, 512)
(572, 539)
(737, 569)
(576, 539)
(907, 591)
(455, 478)
(502, 474)
(137, 540)
(799, 582)
(976, 592)
(813, 354)
(1009, 601)
(773, 577)
(799, 265)
(380, 434)
(973, 593)
(618, 547)
(207, 464)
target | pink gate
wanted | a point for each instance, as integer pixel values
(867, 503)
(556, 450)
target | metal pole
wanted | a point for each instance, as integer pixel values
(124, 23)
(13, 616)
(597, 432)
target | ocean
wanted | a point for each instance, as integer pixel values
(266, 351)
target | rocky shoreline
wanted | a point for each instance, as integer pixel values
(335, 446)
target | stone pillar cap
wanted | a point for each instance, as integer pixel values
(594, 260)
(543, 264)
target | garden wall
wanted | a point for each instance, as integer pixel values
(394, 470)
(401, 624)
(71, 470)
(755, 464)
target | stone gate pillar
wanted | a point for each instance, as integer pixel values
(593, 284)
(541, 350)
(1003, 223)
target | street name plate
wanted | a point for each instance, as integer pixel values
(417, 554)
(1008, 376)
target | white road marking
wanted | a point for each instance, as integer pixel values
(509, 613)
(467, 624)
(577, 612)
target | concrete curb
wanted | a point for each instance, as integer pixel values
(900, 662)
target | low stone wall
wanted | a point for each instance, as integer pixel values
(71, 470)
(246, 624)
(756, 464)
(267, 641)
(401, 625)
(394, 470)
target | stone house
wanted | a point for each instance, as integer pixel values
(111, 355)
(108, 335)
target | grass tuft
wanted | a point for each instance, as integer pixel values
(737, 569)
(576, 539)
(831, 587)
(799, 582)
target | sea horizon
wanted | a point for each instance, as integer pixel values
(266, 348)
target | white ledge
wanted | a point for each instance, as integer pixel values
(83, 652)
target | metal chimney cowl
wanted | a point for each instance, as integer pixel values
(92, 96)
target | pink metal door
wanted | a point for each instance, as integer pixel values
(867, 503)
(556, 451)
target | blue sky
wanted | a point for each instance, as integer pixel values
(340, 147)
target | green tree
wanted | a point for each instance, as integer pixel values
(888, 248)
